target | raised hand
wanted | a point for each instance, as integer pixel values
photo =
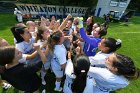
(53, 18)
(69, 16)
(69, 54)
(36, 46)
(78, 50)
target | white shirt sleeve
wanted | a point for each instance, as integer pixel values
(106, 79)
(69, 68)
(61, 55)
(23, 59)
(19, 46)
(99, 59)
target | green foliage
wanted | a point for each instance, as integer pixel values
(135, 5)
(85, 3)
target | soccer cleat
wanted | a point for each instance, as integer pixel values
(43, 82)
(58, 90)
(6, 85)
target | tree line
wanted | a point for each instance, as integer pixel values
(134, 4)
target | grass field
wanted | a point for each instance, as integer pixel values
(130, 36)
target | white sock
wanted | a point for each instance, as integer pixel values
(43, 73)
(57, 85)
(44, 91)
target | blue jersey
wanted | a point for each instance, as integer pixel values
(91, 43)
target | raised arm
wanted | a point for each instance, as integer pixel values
(31, 56)
(43, 20)
(34, 54)
(76, 33)
(92, 41)
(42, 55)
(52, 23)
(63, 25)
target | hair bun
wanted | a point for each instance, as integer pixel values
(118, 42)
(83, 71)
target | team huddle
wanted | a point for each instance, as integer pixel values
(84, 56)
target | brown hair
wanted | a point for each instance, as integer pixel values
(103, 31)
(7, 54)
(40, 31)
(54, 39)
(126, 67)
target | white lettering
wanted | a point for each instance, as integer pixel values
(51, 10)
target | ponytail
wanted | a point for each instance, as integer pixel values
(79, 83)
(135, 76)
(50, 43)
(80, 69)
(137, 73)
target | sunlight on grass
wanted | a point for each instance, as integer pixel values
(130, 36)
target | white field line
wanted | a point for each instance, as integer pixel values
(6, 36)
(132, 32)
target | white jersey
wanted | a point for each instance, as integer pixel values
(70, 76)
(69, 71)
(89, 85)
(27, 48)
(59, 58)
(19, 15)
(99, 59)
(105, 81)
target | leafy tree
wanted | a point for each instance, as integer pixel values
(85, 3)
(135, 5)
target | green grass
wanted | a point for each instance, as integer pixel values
(6, 22)
(128, 34)
(130, 46)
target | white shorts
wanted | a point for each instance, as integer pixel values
(58, 73)
(56, 68)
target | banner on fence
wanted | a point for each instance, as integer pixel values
(36, 9)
